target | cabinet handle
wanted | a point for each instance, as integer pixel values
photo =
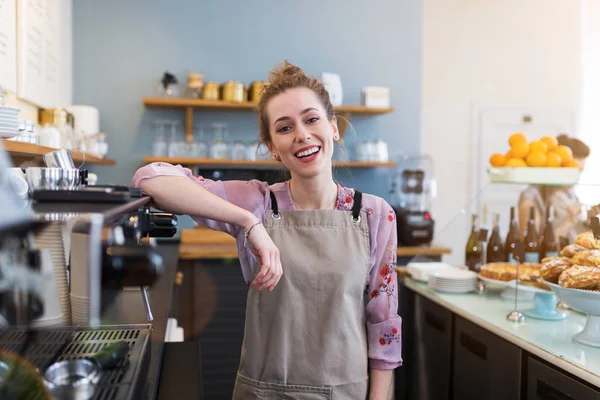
(435, 322)
(473, 345)
(547, 392)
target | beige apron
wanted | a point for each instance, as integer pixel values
(307, 339)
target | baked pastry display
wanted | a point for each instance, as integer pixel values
(588, 241)
(548, 259)
(572, 249)
(589, 258)
(530, 275)
(580, 277)
(499, 271)
(552, 269)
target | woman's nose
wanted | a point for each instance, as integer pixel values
(302, 133)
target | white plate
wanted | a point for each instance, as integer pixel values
(455, 274)
(420, 271)
(7, 135)
(539, 176)
(527, 288)
(494, 284)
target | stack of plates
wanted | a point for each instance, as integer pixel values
(453, 281)
(9, 122)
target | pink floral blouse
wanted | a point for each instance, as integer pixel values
(383, 322)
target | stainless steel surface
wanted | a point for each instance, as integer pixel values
(59, 159)
(149, 315)
(43, 178)
(72, 379)
(70, 179)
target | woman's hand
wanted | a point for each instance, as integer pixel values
(267, 254)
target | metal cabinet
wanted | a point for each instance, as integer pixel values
(430, 377)
(547, 383)
(485, 365)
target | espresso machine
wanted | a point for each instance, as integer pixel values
(412, 190)
(62, 266)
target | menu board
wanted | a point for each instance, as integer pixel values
(8, 45)
(39, 50)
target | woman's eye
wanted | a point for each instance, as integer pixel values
(312, 120)
(284, 129)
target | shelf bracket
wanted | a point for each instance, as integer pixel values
(189, 124)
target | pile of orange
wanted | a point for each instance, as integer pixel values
(545, 152)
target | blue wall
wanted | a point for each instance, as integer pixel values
(122, 47)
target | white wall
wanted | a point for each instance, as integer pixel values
(493, 52)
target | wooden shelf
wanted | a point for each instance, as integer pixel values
(189, 105)
(208, 162)
(20, 149)
(157, 102)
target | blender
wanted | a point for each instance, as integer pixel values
(413, 189)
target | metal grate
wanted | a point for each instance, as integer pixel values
(118, 383)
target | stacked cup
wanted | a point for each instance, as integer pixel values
(51, 239)
(9, 122)
(53, 313)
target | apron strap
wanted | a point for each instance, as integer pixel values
(357, 205)
(274, 203)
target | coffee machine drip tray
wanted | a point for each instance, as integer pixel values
(125, 381)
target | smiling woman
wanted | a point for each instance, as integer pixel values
(317, 247)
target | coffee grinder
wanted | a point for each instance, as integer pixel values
(412, 191)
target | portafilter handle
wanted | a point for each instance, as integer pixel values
(149, 315)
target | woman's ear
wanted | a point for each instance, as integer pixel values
(336, 130)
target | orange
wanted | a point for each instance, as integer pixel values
(517, 137)
(520, 150)
(498, 160)
(573, 164)
(536, 159)
(515, 162)
(538, 146)
(508, 155)
(553, 160)
(550, 141)
(565, 153)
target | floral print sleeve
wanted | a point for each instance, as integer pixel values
(383, 323)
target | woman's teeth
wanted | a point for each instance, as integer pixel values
(308, 152)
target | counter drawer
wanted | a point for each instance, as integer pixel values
(484, 364)
(433, 329)
(547, 383)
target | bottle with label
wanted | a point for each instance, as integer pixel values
(549, 245)
(495, 247)
(532, 244)
(513, 236)
(474, 250)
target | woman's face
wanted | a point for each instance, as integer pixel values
(301, 135)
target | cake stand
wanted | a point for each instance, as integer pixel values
(587, 302)
(545, 302)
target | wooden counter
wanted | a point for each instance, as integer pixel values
(202, 243)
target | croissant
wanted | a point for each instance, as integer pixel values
(548, 259)
(551, 270)
(590, 258)
(580, 277)
(588, 241)
(571, 250)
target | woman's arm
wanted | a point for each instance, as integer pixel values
(180, 195)
(380, 381)
(384, 326)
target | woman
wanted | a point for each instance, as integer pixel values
(570, 216)
(315, 245)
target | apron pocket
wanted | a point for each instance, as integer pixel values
(246, 389)
(277, 391)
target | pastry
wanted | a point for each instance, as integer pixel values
(571, 250)
(530, 275)
(580, 277)
(548, 259)
(499, 271)
(552, 269)
(588, 241)
(590, 258)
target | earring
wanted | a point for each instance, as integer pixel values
(275, 156)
